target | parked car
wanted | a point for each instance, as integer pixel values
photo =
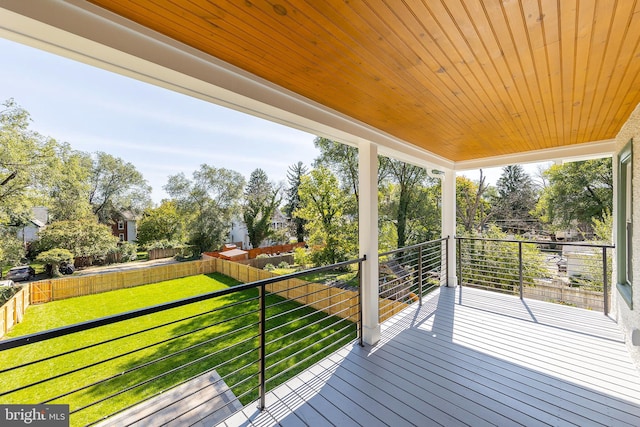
(66, 268)
(23, 272)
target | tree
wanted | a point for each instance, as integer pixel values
(116, 185)
(55, 257)
(83, 238)
(260, 203)
(12, 249)
(410, 180)
(161, 223)
(24, 161)
(515, 201)
(473, 209)
(208, 203)
(577, 192)
(68, 185)
(342, 160)
(322, 204)
(294, 178)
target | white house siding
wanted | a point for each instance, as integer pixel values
(629, 320)
(132, 231)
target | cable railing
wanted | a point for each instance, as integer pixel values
(211, 353)
(572, 273)
(407, 274)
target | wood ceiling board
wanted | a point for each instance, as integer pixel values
(568, 24)
(485, 92)
(462, 78)
(627, 30)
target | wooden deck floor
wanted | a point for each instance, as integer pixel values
(468, 357)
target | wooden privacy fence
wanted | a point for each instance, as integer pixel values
(159, 253)
(12, 312)
(277, 249)
(331, 300)
(75, 286)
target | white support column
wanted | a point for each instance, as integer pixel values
(368, 238)
(449, 222)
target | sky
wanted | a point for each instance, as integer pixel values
(160, 132)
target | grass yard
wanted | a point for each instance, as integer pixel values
(189, 340)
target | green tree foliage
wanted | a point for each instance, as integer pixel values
(322, 204)
(260, 203)
(495, 264)
(116, 185)
(83, 238)
(577, 192)
(55, 257)
(603, 228)
(340, 159)
(208, 203)
(164, 223)
(68, 185)
(516, 199)
(294, 178)
(127, 251)
(403, 188)
(473, 208)
(301, 257)
(24, 161)
(11, 248)
(410, 182)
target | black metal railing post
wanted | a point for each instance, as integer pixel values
(360, 303)
(262, 349)
(420, 276)
(520, 268)
(605, 282)
(459, 262)
(446, 261)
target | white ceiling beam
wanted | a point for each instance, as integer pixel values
(568, 153)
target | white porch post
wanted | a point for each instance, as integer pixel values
(368, 238)
(449, 222)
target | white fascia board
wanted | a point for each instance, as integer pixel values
(569, 153)
(84, 32)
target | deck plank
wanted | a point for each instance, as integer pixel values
(468, 357)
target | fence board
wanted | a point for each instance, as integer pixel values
(12, 312)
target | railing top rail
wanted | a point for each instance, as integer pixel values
(412, 246)
(107, 320)
(537, 242)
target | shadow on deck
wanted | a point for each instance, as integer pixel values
(468, 357)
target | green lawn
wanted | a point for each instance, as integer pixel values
(237, 362)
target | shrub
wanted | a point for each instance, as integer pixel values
(301, 257)
(55, 257)
(269, 267)
(283, 264)
(262, 256)
(128, 251)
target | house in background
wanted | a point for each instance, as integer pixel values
(124, 225)
(239, 233)
(37, 221)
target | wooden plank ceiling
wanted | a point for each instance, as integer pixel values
(464, 79)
